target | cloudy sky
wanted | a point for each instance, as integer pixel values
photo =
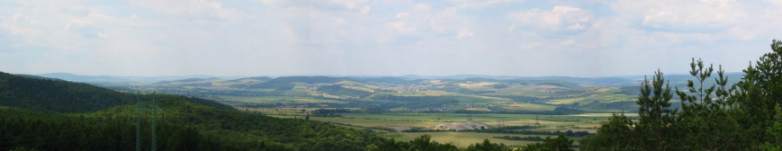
(382, 37)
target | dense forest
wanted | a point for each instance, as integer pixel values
(713, 115)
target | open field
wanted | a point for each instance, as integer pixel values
(543, 95)
(404, 121)
(460, 139)
(397, 125)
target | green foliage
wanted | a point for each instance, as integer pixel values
(561, 143)
(422, 143)
(30, 130)
(706, 121)
(486, 145)
(759, 93)
(713, 115)
(615, 135)
(775, 133)
(655, 113)
(56, 95)
(425, 143)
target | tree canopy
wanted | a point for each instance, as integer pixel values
(713, 115)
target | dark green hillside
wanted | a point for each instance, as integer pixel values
(27, 121)
(93, 118)
(56, 95)
(192, 128)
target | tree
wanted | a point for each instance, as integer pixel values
(425, 143)
(616, 135)
(713, 116)
(775, 133)
(486, 145)
(706, 120)
(656, 116)
(759, 93)
(560, 143)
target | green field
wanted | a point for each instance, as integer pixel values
(393, 125)
(460, 111)
(546, 95)
(460, 139)
(401, 121)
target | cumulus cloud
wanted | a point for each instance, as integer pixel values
(420, 19)
(365, 37)
(188, 8)
(684, 16)
(557, 19)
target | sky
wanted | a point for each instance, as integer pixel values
(382, 37)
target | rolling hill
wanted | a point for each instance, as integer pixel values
(404, 94)
(49, 114)
(550, 95)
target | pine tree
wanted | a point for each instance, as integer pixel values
(655, 114)
(615, 135)
(706, 120)
(759, 94)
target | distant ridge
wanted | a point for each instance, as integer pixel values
(117, 80)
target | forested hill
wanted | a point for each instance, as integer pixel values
(46, 94)
(54, 95)
(49, 114)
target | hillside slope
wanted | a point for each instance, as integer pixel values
(49, 114)
(56, 95)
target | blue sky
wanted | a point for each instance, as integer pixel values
(382, 37)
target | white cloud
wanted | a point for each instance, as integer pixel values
(683, 15)
(423, 20)
(464, 34)
(188, 8)
(353, 6)
(361, 6)
(558, 19)
(380, 37)
(66, 25)
(480, 4)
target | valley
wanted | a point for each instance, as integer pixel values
(457, 110)
(461, 129)
(544, 95)
(462, 111)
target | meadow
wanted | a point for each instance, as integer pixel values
(402, 126)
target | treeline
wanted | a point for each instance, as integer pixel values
(29, 130)
(712, 115)
(507, 130)
(191, 128)
(524, 130)
(23, 130)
